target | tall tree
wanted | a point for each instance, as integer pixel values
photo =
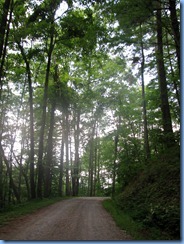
(175, 28)
(49, 156)
(31, 156)
(61, 168)
(146, 140)
(66, 138)
(166, 116)
(4, 33)
(76, 162)
(44, 106)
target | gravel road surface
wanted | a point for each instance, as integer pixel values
(81, 218)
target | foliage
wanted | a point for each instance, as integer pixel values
(14, 211)
(152, 202)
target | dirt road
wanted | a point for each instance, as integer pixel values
(73, 219)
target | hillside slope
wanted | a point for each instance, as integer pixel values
(153, 197)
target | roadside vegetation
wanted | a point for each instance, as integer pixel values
(14, 211)
(149, 206)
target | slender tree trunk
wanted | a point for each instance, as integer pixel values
(91, 160)
(43, 121)
(48, 166)
(116, 139)
(27, 185)
(67, 154)
(3, 24)
(98, 171)
(166, 116)
(20, 167)
(91, 168)
(146, 140)
(31, 117)
(176, 88)
(1, 160)
(175, 28)
(76, 163)
(9, 171)
(95, 161)
(31, 155)
(95, 169)
(49, 158)
(1, 179)
(61, 163)
(4, 33)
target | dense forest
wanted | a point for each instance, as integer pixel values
(90, 104)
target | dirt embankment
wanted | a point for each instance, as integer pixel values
(73, 219)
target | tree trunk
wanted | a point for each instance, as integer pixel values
(1, 161)
(175, 28)
(91, 159)
(48, 166)
(61, 164)
(43, 121)
(31, 117)
(95, 169)
(9, 171)
(1, 181)
(49, 158)
(4, 33)
(67, 153)
(98, 171)
(116, 139)
(31, 155)
(176, 88)
(96, 162)
(166, 117)
(76, 163)
(146, 140)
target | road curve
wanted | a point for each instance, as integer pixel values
(81, 218)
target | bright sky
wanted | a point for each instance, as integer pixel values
(62, 8)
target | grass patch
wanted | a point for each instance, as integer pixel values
(136, 229)
(25, 208)
(123, 220)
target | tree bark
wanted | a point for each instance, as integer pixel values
(166, 116)
(48, 166)
(60, 190)
(31, 117)
(176, 87)
(91, 159)
(1, 178)
(49, 157)
(9, 170)
(175, 28)
(43, 121)
(146, 140)
(96, 173)
(67, 153)
(116, 139)
(76, 163)
(4, 33)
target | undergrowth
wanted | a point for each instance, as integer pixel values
(21, 209)
(123, 220)
(151, 201)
